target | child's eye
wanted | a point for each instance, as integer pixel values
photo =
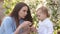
(38, 15)
(24, 10)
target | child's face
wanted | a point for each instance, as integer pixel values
(40, 15)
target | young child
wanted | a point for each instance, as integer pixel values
(45, 26)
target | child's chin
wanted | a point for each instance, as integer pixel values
(39, 19)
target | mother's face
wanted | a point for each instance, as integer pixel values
(23, 12)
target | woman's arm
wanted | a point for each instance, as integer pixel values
(7, 26)
(17, 30)
(24, 24)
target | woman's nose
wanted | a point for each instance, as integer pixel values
(25, 13)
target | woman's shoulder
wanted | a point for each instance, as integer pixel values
(7, 17)
(7, 20)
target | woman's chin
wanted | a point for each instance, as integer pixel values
(23, 17)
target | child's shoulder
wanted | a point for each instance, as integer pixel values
(48, 22)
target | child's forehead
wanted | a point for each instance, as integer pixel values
(40, 11)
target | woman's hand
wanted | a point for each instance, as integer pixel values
(25, 23)
(26, 26)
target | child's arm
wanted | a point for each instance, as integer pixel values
(33, 29)
(50, 27)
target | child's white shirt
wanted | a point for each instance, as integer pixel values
(45, 27)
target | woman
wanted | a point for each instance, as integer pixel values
(18, 22)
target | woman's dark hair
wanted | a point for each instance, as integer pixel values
(15, 11)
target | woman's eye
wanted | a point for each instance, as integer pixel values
(24, 10)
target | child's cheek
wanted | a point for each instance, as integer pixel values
(39, 18)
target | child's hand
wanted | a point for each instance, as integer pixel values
(33, 29)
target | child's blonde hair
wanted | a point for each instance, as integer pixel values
(44, 10)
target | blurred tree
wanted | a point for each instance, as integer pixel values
(9, 5)
(54, 7)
